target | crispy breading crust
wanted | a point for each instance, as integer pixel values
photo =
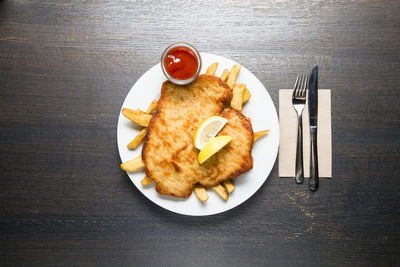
(168, 151)
(237, 151)
(246, 124)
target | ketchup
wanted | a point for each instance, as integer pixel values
(181, 63)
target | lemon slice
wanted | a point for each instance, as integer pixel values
(208, 130)
(213, 146)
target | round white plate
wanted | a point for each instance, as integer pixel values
(259, 108)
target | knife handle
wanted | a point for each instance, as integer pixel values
(299, 151)
(314, 176)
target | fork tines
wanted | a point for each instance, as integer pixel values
(300, 86)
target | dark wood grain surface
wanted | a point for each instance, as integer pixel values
(65, 69)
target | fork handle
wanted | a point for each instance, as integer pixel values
(299, 151)
(314, 175)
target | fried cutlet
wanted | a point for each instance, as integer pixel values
(168, 151)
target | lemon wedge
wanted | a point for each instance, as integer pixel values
(213, 146)
(208, 130)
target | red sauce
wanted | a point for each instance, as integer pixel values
(181, 63)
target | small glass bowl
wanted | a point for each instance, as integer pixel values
(177, 81)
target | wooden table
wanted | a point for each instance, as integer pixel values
(66, 67)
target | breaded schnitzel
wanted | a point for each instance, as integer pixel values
(168, 151)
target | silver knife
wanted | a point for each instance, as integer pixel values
(313, 113)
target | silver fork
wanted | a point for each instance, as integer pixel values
(299, 101)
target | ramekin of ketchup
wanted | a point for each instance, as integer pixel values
(181, 63)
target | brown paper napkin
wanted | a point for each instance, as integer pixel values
(288, 135)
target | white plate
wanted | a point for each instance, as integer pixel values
(259, 108)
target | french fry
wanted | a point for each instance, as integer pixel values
(138, 138)
(259, 134)
(133, 164)
(246, 95)
(152, 107)
(201, 193)
(225, 75)
(229, 186)
(221, 191)
(236, 102)
(137, 116)
(212, 69)
(233, 75)
(146, 181)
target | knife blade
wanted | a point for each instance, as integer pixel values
(313, 114)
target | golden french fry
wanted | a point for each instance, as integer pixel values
(229, 186)
(212, 69)
(233, 75)
(236, 102)
(138, 138)
(136, 141)
(137, 116)
(133, 164)
(146, 181)
(224, 75)
(201, 193)
(259, 134)
(246, 95)
(152, 107)
(221, 191)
